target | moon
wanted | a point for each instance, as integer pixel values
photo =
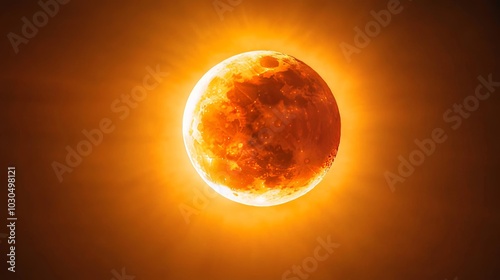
(261, 128)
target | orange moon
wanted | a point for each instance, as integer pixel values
(261, 128)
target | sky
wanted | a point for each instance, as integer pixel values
(92, 99)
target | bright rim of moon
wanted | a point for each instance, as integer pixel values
(261, 128)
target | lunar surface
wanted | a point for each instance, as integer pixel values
(261, 128)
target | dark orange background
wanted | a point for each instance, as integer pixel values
(120, 207)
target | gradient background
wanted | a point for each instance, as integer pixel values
(120, 207)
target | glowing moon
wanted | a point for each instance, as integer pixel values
(261, 128)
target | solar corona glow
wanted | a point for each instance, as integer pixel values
(261, 128)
